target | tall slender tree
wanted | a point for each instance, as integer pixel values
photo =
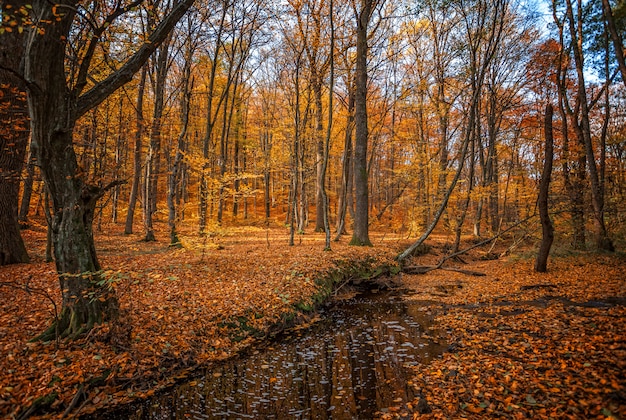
(360, 235)
(541, 263)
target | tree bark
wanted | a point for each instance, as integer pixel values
(615, 37)
(328, 129)
(583, 129)
(574, 182)
(346, 170)
(154, 152)
(27, 188)
(175, 177)
(211, 118)
(360, 235)
(54, 108)
(14, 134)
(541, 264)
(135, 188)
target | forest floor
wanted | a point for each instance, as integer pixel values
(522, 344)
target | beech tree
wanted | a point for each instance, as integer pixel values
(541, 263)
(60, 92)
(360, 235)
(14, 133)
(569, 21)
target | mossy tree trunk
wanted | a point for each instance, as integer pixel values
(55, 104)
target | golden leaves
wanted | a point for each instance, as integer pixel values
(520, 351)
(175, 305)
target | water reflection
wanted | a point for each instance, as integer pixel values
(346, 367)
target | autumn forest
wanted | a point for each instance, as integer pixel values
(371, 132)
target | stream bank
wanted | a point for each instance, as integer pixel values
(352, 364)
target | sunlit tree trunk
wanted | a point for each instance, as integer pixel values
(136, 185)
(27, 187)
(328, 128)
(346, 168)
(119, 144)
(176, 173)
(211, 118)
(153, 161)
(360, 235)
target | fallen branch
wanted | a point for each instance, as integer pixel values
(468, 272)
(439, 265)
(423, 269)
(80, 394)
(538, 286)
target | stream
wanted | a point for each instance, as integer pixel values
(350, 365)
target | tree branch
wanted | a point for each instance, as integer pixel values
(81, 80)
(124, 74)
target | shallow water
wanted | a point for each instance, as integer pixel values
(348, 366)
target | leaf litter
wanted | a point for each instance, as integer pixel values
(525, 344)
(522, 344)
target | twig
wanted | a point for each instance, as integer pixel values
(41, 292)
(80, 393)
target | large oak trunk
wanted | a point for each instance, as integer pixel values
(55, 103)
(87, 298)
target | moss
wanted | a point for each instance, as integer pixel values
(239, 327)
(39, 406)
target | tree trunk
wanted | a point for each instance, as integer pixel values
(211, 118)
(583, 129)
(14, 133)
(134, 190)
(85, 301)
(326, 149)
(615, 37)
(154, 151)
(541, 264)
(120, 145)
(54, 108)
(320, 193)
(175, 177)
(574, 182)
(346, 171)
(27, 189)
(360, 235)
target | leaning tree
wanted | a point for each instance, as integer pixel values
(63, 38)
